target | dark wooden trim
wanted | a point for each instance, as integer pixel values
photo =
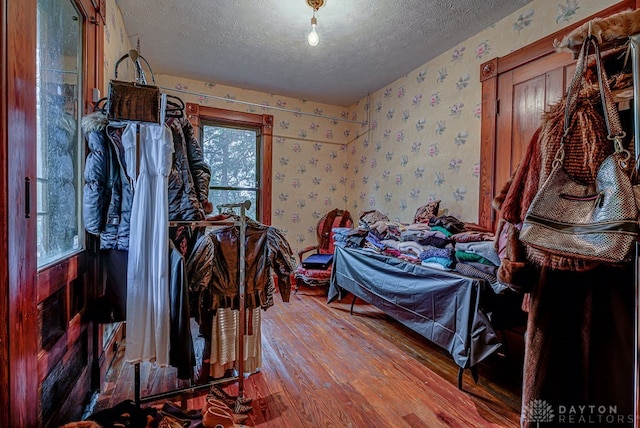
(5, 393)
(87, 263)
(59, 275)
(196, 112)
(92, 52)
(52, 357)
(110, 349)
(489, 69)
(75, 402)
(21, 231)
(490, 72)
(267, 168)
(487, 152)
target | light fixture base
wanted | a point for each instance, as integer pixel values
(315, 4)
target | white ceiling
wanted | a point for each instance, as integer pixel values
(261, 44)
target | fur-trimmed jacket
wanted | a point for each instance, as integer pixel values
(108, 191)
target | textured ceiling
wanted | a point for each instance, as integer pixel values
(261, 44)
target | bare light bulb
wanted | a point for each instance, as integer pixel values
(313, 37)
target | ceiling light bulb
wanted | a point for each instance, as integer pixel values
(313, 38)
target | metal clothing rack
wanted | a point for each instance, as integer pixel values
(140, 77)
(242, 224)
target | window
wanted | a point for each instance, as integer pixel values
(238, 148)
(59, 143)
(233, 155)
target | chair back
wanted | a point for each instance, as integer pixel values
(334, 218)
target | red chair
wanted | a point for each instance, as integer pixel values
(308, 273)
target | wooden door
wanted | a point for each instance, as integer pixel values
(516, 90)
(524, 94)
(18, 380)
(46, 340)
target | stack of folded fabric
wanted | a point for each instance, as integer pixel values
(348, 236)
(447, 224)
(479, 259)
(438, 258)
(433, 236)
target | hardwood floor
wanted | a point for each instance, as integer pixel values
(324, 367)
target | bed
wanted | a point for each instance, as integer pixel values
(445, 307)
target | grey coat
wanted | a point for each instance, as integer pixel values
(108, 194)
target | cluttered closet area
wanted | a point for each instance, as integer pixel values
(189, 277)
(568, 222)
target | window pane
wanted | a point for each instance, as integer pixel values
(58, 140)
(219, 197)
(231, 153)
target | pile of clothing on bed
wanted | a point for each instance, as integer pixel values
(440, 242)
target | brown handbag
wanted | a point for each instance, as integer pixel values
(133, 101)
(595, 222)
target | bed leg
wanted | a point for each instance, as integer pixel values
(353, 302)
(474, 373)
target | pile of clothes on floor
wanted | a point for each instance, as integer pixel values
(220, 410)
(440, 242)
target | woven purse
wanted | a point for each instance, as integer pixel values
(587, 222)
(133, 101)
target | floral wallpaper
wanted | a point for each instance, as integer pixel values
(309, 152)
(422, 138)
(116, 44)
(411, 142)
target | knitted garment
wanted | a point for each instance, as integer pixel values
(446, 253)
(485, 249)
(464, 257)
(437, 262)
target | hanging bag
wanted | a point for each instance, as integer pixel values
(134, 101)
(586, 222)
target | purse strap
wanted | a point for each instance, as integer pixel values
(140, 72)
(611, 116)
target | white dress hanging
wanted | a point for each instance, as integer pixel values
(148, 322)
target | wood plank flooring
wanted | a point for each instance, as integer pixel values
(323, 367)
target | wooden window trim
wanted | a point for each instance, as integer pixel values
(196, 113)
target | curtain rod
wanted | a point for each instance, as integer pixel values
(261, 105)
